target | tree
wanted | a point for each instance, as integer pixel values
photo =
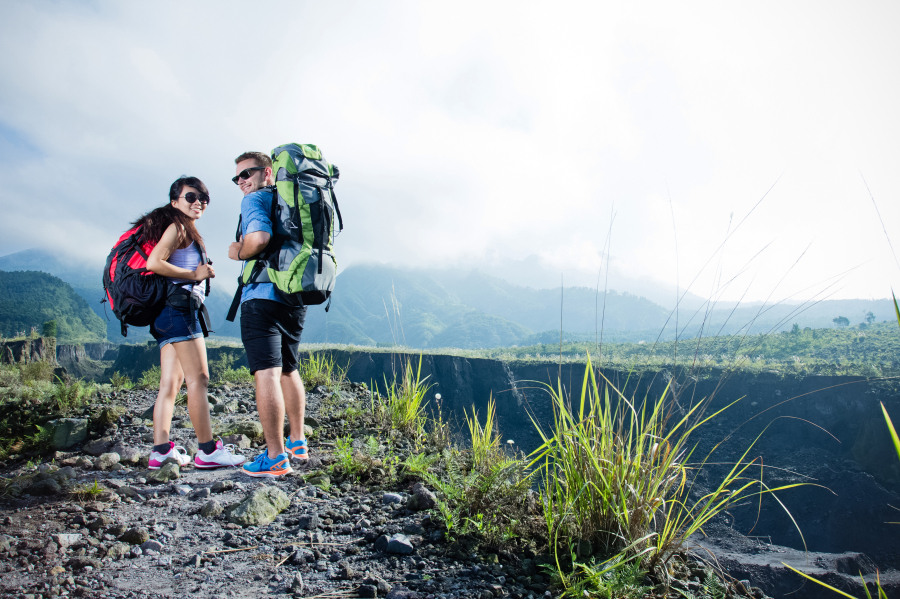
(870, 318)
(841, 321)
(796, 329)
(49, 329)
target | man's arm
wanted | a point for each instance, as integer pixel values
(250, 245)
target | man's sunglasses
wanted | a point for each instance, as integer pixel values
(192, 197)
(245, 174)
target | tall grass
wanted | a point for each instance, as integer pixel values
(321, 369)
(485, 439)
(405, 401)
(617, 473)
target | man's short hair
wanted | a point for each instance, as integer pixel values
(258, 157)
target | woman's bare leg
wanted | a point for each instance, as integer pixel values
(169, 384)
(192, 356)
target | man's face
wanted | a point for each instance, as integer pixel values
(257, 178)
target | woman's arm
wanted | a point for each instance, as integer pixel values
(156, 262)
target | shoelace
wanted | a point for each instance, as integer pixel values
(229, 448)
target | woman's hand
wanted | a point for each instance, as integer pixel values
(203, 272)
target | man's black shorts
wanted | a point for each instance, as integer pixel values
(271, 334)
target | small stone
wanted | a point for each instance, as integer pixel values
(84, 462)
(102, 521)
(106, 461)
(81, 562)
(136, 536)
(169, 471)
(221, 486)
(152, 544)
(118, 550)
(309, 522)
(129, 492)
(399, 544)
(381, 543)
(201, 493)
(239, 441)
(194, 561)
(98, 446)
(66, 540)
(367, 590)
(211, 509)
(297, 584)
(182, 490)
(389, 498)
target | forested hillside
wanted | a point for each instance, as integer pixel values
(29, 299)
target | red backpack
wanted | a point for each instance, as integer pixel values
(135, 294)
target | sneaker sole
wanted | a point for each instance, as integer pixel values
(266, 474)
(214, 466)
(299, 456)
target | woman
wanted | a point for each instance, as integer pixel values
(179, 255)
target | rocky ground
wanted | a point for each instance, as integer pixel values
(92, 521)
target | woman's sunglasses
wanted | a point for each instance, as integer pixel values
(192, 197)
(245, 174)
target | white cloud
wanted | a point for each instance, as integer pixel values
(510, 134)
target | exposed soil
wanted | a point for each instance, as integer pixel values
(126, 537)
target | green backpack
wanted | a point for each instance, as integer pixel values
(299, 259)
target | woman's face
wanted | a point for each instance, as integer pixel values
(192, 202)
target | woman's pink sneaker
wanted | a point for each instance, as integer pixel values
(220, 458)
(157, 459)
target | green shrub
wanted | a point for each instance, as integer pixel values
(37, 371)
(150, 378)
(120, 381)
(237, 375)
(72, 395)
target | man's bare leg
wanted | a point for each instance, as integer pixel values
(270, 404)
(294, 403)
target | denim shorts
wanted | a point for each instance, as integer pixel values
(174, 325)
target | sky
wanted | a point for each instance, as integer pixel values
(732, 149)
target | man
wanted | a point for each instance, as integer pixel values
(271, 324)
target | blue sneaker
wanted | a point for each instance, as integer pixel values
(266, 467)
(297, 449)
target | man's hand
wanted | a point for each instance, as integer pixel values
(234, 250)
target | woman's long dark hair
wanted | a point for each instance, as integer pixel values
(156, 221)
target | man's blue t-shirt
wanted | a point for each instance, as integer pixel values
(256, 209)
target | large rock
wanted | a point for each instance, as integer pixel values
(127, 455)
(261, 507)
(118, 550)
(98, 446)
(421, 499)
(136, 536)
(400, 543)
(66, 432)
(211, 509)
(106, 461)
(251, 428)
(66, 539)
(168, 472)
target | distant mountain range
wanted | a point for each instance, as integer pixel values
(376, 304)
(30, 298)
